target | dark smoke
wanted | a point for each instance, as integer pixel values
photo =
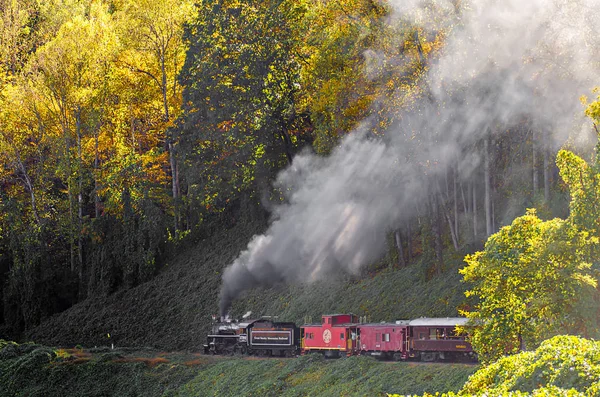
(506, 60)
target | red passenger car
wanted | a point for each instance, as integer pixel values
(384, 340)
(336, 335)
(435, 338)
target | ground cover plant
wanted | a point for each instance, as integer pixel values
(561, 366)
(35, 370)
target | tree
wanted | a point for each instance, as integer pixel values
(529, 280)
(69, 72)
(153, 35)
(241, 118)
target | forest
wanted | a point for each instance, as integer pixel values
(128, 128)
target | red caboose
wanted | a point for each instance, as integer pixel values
(384, 340)
(335, 336)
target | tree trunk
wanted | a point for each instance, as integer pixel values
(452, 231)
(69, 193)
(79, 202)
(29, 185)
(436, 225)
(488, 188)
(419, 48)
(400, 249)
(464, 200)
(546, 174)
(96, 166)
(170, 145)
(287, 144)
(409, 242)
(455, 191)
(534, 163)
(474, 209)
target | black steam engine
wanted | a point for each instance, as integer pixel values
(262, 337)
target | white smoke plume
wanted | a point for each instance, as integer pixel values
(504, 61)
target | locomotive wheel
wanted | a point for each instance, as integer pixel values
(397, 356)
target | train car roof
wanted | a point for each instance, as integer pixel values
(398, 325)
(439, 322)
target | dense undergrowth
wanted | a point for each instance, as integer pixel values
(388, 294)
(34, 370)
(173, 310)
(561, 366)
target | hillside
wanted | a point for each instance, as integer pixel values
(34, 370)
(173, 311)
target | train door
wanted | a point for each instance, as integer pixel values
(353, 342)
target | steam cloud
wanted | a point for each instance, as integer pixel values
(506, 60)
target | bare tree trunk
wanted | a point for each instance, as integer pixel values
(409, 242)
(493, 211)
(452, 232)
(30, 188)
(437, 234)
(400, 249)
(447, 185)
(546, 174)
(488, 188)
(455, 192)
(464, 200)
(69, 193)
(419, 48)
(96, 166)
(170, 145)
(534, 162)
(474, 209)
(79, 201)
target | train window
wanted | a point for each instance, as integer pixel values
(432, 333)
(421, 335)
(386, 337)
(342, 336)
(377, 337)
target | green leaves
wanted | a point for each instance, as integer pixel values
(535, 278)
(240, 119)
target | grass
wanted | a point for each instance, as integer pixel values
(34, 370)
(388, 294)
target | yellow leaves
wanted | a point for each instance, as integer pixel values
(523, 278)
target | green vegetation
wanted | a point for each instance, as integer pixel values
(34, 370)
(173, 311)
(561, 366)
(535, 278)
(139, 143)
(384, 295)
(126, 126)
(315, 376)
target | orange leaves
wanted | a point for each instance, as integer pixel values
(226, 126)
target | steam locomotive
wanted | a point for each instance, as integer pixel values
(425, 339)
